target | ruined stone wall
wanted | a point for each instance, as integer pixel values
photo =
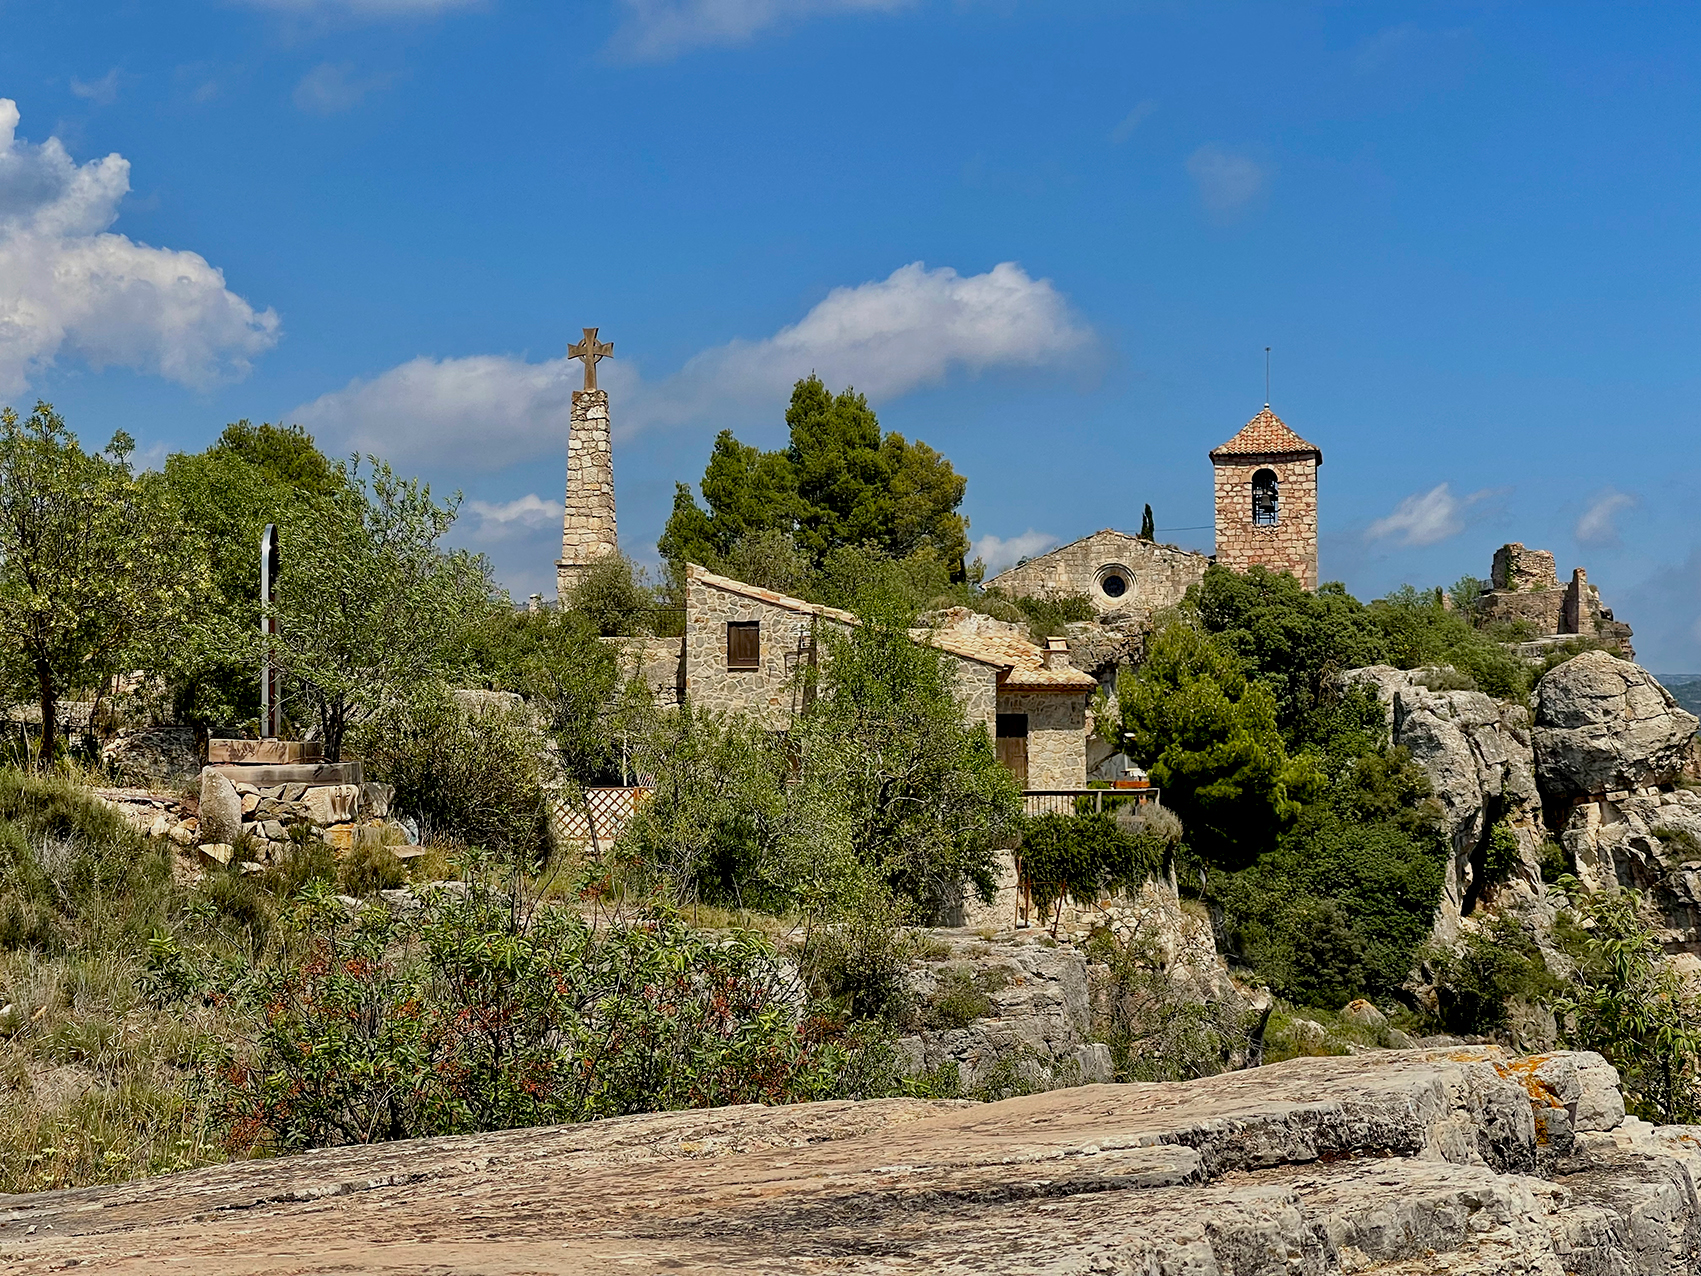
(1157, 575)
(1542, 609)
(1057, 736)
(1518, 568)
(587, 525)
(1290, 545)
(659, 661)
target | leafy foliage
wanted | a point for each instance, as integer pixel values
(1085, 857)
(91, 566)
(477, 1015)
(1632, 1006)
(1208, 735)
(1476, 982)
(466, 776)
(370, 604)
(841, 482)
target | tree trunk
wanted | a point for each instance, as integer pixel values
(49, 696)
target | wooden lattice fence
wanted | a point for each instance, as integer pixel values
(596, 820)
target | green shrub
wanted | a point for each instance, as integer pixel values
(1630, 1004)
(474, 1014)
(366, 870)
(1500, 854)
(1475, 981)
(1156, 1031)
(613, 596)
(471, 778)
(1084, 857)
(962, 996)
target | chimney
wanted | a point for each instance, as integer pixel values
(1057, 653)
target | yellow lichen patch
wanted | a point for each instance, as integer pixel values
(1524, 1072)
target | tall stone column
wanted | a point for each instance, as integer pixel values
(587, 526)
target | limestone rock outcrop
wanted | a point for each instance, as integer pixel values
(1649, 842)
(1033, 1018)
(1604, 725)
(1397, 1162)
(1477, 752)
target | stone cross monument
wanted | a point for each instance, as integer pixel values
(587, 524)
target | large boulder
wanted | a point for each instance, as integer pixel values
(1649, 842)
(1604, 725)
(154, 757)
(221, 809)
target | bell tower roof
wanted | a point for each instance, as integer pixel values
(1266, 435)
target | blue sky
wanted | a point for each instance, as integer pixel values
(1052, 240)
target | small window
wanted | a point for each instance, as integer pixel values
(1265, 501)
(744, 644)
(1114, 584)
(1012, 726)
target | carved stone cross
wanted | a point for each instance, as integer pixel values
(590, 350)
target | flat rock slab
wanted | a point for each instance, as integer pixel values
(1395, 1162)
(309, 773)
(263, 752)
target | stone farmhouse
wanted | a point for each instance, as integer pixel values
(1266, 513)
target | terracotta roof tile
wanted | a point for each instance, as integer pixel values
(1022, 664)
(1267, 435)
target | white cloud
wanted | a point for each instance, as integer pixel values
(68, 288)
(998, 553)
(331, 87)
(1427, 517)
(1125, 130)
(656, 30)
(1226, 181)
(528, 511)
(886, 337)
(102, 92)
(1598, 525)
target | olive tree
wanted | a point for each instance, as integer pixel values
(90, 562)
(370, 602)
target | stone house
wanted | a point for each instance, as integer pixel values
(744, 647)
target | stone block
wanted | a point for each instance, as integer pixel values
(221, 806)
(263, 752)
(217, 854)
(375, 799)
(332, 803)
(345, 837)
(305, 773)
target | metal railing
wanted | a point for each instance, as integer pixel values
(1080, 801)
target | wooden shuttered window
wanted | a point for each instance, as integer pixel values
(744, 644)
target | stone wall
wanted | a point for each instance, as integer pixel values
(789, 638)
(1524, 569)
(1156, 575)
(1288, 545)
(1057, 736)
(587, 525)
(660, 662)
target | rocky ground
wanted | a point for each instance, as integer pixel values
(1399, 1162)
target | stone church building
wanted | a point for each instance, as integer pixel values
(1266, 514)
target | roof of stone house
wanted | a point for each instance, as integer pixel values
(1021, 665)
(1267, 435)
(772, 597)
